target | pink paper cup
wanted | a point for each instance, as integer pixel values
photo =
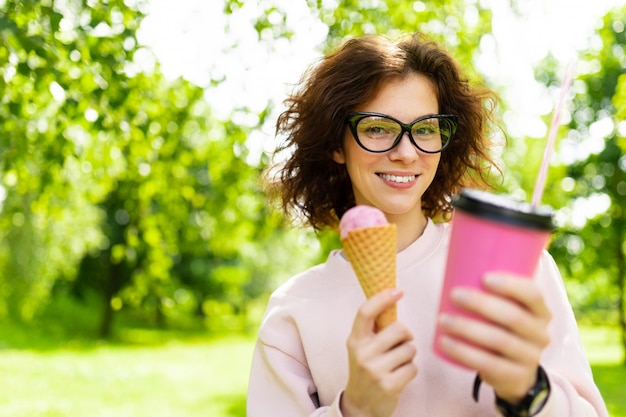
(490, 233)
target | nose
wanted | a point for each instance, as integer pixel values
(405, 150)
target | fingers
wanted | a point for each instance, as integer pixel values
(372, 308)
(490, 339)
(513, 303)
(388, 350)
(367, 342)
(511, 379)
(371, 347)
(521, 289)
(380, 363)
(504, 335)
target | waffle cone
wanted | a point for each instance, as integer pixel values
(372, 253)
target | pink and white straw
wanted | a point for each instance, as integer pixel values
(554, 127)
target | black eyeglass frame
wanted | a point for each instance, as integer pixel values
(354, 118)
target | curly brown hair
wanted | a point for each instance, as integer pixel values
(313, 185)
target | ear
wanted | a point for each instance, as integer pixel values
(339, 157)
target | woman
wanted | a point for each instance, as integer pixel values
(319, 352)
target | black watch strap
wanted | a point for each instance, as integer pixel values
(531, 404)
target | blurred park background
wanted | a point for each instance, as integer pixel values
(137, 250)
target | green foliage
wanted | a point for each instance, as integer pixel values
(458, 24)
(119, 182)
(592, 189)
(52, 89)
(120, 186)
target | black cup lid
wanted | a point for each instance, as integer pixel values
(504, 209)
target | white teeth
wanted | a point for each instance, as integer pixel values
(396, 178)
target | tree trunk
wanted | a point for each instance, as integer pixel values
(199, 310)
(107, 317)
(159, 315)
(111, 287)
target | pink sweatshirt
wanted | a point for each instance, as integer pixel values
(300, 365)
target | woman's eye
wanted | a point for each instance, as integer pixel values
(376, 129)
(425, 130)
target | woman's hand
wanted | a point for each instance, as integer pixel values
(381, 363)
(505, 350)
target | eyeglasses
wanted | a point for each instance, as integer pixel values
(379, 133)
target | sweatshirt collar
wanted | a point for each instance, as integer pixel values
(433, 236)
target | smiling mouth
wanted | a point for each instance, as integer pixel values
(397, 178)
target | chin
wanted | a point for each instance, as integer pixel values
(401, 209)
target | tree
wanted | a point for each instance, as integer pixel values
(50, 90)
(117, 176)
(120, 183)
(591, 248)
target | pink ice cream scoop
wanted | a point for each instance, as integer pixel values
(359, 217)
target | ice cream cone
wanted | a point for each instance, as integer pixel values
(372, 253)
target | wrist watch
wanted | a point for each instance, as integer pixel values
(532, 403)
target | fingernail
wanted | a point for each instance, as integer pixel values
(446, 320)
(493, 280)
(446, 342)
(459, 294)
(395, 292)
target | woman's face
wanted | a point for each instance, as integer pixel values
(394, 181)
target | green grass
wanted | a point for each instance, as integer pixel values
(611, 379)
(605, 355)
(169, 378)
(147, 373)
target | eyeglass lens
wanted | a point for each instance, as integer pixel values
(379, 133)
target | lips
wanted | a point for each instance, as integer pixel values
(400, 179)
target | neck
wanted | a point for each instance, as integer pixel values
(409, 229)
